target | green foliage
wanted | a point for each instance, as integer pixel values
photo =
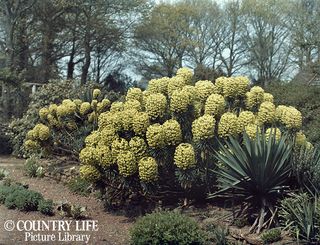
(5, 190)
(46, 207)
(254, 171)
(218, 234)
(270, 236)
(23, 199)
(75, 211)
(168, 228)
(241, 222)
(306, 99)
(306, 168)
(31, 166)
(3, 173)
(79, 186)
(5, 141)
(301, 215)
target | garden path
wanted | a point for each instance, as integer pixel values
(113, 229)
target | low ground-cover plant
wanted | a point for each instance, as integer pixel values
(16, 196)
(300, 214)
(32, 167)
(271, 236)
(162, 228)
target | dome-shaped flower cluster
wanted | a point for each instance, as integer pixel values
(245, 118)
(180, 101)
(232, 87)
(89, 173)
(156, 105)
(158, 85)
(172, 132)
(204, 89)
(186, 74)
(291, 118)
(138, 146)
(252, 130)
(228, 125)
(184, 156)
(175, 83)
(215, 105)
(266, 113)
(140, 123)
(134, 94)
(203, 128)
(127, 163)
(255, 97)
(148, 169)
(156, 136)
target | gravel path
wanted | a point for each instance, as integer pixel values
(112, 229)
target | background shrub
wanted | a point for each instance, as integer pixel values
(31, 166)
(167, 228)
(46, 207)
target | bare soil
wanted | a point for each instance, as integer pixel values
(112, 229)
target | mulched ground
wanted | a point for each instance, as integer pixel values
(112, 229)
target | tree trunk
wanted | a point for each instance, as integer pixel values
(87, 58)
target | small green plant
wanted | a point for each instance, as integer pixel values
(167, 228)
(31, 166)
(218, 234)
(78, 212)
(4, 192)
(270, 236)
(79, 186)
(3, 173)
(301, 215)
(46, 207)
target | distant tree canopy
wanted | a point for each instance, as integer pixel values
(94, 40)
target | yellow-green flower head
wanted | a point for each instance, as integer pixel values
(159, 85)
(155, 136)
(148, 169)
(103, 105)
(203, 128)
(105, 118)
(268, 97)
(132, 104)
(85, 108)
(89, 155)
(116, 120)
(252, 130)
(127, 163)
(292, 118)
(140, 123)
(309, 146)
(96, 93)
(215, 105)
(53, 121)
(94, 104)
(70, 106)
(191, 91)
(204, 89)
(273, 131)
(242, 85)
(71, 125)
(175, 83)
(93, 138)
(127, 118)
(32, 145)
(184, 156)
(118, 146)
(89, 173)
(78, 102)
(32, 135)
(43, 113)
(138, 146)
(245, 118)
(228, 125)
(180, 101)
(156, 105)
(53, 109)
(230, 88)
(134, 94)
(255, 97)
(62, 110)
(301, 139)
(279, 112)
(266, 113)
(186, 74)
(116, 106)
(107, 135)
(172, 132)
(42, 131)
(105, 156)
(92, 117)
(220, 83)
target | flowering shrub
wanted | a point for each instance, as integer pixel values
(62, 127)
(164, 136)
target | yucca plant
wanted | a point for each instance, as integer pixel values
(255, 172)
(300, 214)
